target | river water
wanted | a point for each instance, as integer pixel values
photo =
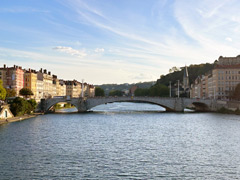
(122, 141)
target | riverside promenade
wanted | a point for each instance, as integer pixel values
(18, 118)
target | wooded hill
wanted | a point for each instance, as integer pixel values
(121, 87)
(193, 72)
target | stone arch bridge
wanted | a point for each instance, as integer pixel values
(170, 104)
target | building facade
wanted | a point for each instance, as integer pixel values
(30, 81)
(221, 82)
(12, 77)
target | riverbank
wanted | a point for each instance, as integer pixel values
(228, 111)
(19, 118)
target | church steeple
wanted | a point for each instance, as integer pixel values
(185, 79)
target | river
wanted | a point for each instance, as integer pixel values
(122, 141)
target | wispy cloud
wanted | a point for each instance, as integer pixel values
(71, 51)
(228, 39)
(99, 50)
(208, 26)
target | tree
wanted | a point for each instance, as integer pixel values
(25, 92)
(115, 93)
(3, 92)
(141, 92)
(11, 93)
(236, 93)
(21, 106)
(99, 91)
(159, 90)
(33, 104)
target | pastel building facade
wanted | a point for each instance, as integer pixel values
(30, 81)
(221, 82)
(42, 83)
(12, 77)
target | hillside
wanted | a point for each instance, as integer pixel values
(122, 87)
(193, 71)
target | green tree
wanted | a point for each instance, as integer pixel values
(11, 93)
(33, 104)
(115, 93)
(25, 92)
(193, 71)
(141, 92)
(3, 92)
(159, 90)
(19, 106)
(99, 91)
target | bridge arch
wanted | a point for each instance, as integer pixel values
(168, 104)
(133, 101)
(50, 104)
(198, 105)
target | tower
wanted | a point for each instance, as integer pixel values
(185, 80)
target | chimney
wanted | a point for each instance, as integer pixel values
(49, 73)
(45, 71)
(4, 66)
(14, 66)
(40, 70)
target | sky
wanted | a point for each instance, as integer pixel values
(116, 41)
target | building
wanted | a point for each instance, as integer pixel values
(47, 84)
(90, 91)
(132, 90)
(62, 88)
(221, 82)
(225, 79)
(30, 81)
(73, 88)
(5, 112)
(228, 60)
(39, 93)
(12, 77)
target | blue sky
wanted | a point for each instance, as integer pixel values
(116, 41)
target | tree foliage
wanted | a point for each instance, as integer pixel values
(99, 91)
(11, 93)
(3, 92)
(159, 90)
(156, 90)
(20, 106)
(116, 93)
(141, 92)
(193, 72)
(25, 92)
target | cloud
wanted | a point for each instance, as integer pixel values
(99, 50)
(228, 39)
(71, 51)
(142, 77)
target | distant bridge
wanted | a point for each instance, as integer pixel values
(170, 104)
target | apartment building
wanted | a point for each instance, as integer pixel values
(12, 77)
(30, 81)
(221, 82)
(73, 88)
